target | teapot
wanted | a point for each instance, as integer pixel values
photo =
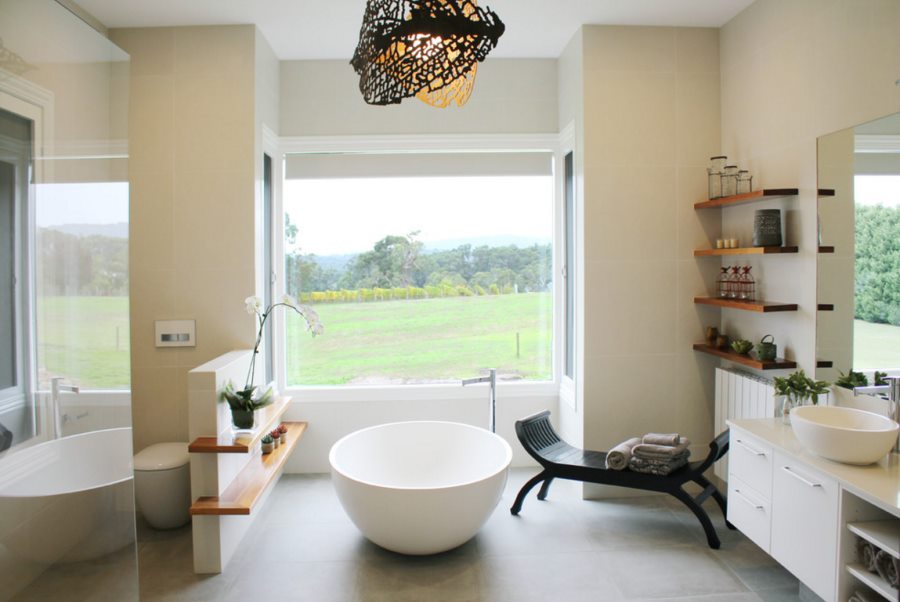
(767, 350)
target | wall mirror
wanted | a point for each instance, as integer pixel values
(858, 323)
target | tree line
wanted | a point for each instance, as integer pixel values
(92, 265)
(399, 263)
(878, 264)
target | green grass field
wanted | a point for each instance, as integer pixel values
(84, 339)
(875, 346)
(423, 341)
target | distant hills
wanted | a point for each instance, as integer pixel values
(118, 230)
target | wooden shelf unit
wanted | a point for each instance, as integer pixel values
(247, 488)
(268, 418)
(748, 197)
(746, 360)
(745, 251)
(757, 306)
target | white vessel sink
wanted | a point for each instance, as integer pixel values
(844, 434)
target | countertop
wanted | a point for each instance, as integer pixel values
(879, 483)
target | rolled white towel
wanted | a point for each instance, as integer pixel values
(670, 439)
(858, 596)
(650, 451)
(617, 458)
(887, 567)
(866, 553)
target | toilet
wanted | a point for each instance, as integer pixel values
(162, 484)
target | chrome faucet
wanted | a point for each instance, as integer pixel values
(893, 393)
(492, 379)
(56, 387)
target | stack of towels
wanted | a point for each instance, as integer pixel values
(878, 561)
(654, 453)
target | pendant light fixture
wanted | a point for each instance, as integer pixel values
(429, 49)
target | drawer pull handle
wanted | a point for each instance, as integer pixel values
(747, 500)
(753, 450)
(803, 480)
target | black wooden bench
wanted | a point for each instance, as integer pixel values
(561, 460)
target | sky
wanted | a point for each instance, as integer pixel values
(441, 208)
(81, 203)
(874, 190)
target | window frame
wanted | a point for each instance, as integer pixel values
(504, 143)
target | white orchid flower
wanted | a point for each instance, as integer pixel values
(253, 304)
(289, 301)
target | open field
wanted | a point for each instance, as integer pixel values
(421, 341)
(875, 346)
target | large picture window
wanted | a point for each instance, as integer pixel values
(424, 268)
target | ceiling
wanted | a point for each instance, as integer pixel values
(328, 29)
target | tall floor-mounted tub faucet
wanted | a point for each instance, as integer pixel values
(492, 379)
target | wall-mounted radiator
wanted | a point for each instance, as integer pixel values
(740, 395)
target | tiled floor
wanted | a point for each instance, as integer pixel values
(303, 547)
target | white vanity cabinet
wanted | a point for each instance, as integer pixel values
(808, 513)
(805, 523)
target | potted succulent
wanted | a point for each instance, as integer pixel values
(282, 429)
(246, 401)
(268, 444)
(276, 437)
(796, 389)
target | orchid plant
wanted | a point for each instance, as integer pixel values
(244, 399)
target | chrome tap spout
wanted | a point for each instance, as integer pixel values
(491, 378)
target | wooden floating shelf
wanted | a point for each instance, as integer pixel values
(249, 485)
(825, 307)
(824, 364)
(746, 360)
(267, 417)
(748, 197)
(826, 192)
(745, 251)
(826, 249)
(758, 306)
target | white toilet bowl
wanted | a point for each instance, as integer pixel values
(162, 484)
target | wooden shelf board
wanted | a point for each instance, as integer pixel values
(882, 533)
(746, 360)
(823, 249)
(749, 197)
(758, 306)
(824, 364)
(745, 251)
(874, 581)
(826, 192)
(825, 307)
(267, 417)
(250, 484)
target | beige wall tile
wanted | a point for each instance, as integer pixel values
(697, 50)
(612, 48)
(152, 49)
(151, 231)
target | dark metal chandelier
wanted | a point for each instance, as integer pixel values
(429, 49)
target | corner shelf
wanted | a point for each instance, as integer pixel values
(267, 418)
(825, 307)
(757, 306)
(745, 251)
(824, 364)
(248, 486)
(746, 360)
(823, 249)
(826, 192)
(873, 581)
(748, 197)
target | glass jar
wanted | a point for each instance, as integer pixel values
(748, 284)
(714, 173)
(722, 283)
(729, 180)
(717, 163)
(744, 182)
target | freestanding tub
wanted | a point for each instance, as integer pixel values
(420, 487)
(64, 500)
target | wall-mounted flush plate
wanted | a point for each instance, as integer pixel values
(175, 333)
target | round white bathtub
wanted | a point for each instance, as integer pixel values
(64, 500)
(420, 487)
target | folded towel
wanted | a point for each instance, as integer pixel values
(860, 597)
(887, 567)
(617, 458)
(670, 439)
(650, 451)
(866, 553)
(656, 467)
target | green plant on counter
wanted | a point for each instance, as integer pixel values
(852, 379)
(800, 387)
(880, 378)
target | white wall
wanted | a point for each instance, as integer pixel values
(792, 71)
(651, 121)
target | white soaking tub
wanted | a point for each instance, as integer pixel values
(420, 487)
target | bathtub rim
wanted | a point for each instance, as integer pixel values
(490, 475)
(129, 477)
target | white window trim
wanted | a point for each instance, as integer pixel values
(509, 143)
(567, 386)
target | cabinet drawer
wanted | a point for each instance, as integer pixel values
(751, 461)
(750, 512)
(805, 524)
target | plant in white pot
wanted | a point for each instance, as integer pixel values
(246, 401)
(796, 389)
